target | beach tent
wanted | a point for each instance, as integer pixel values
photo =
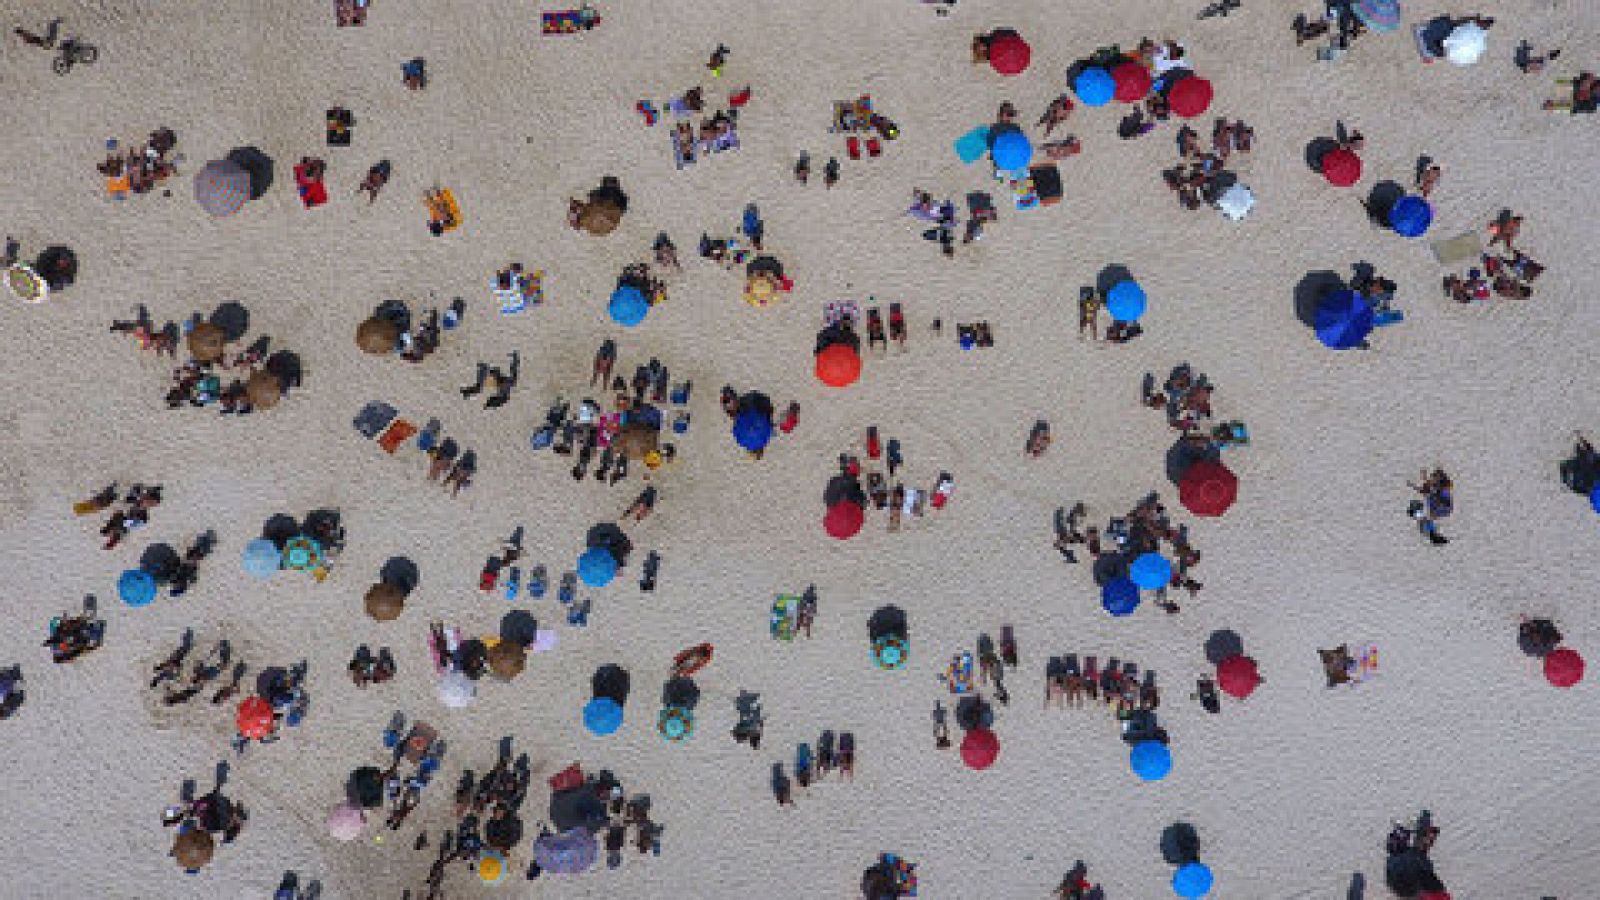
(844, 520)
(378, 335)
(1132, 81)
(1125, 302)
(456, 690)
(752, 430)
(302, 553)
(1190, 97)
(1343, 320)
(1094, 86)
(207, 342)
(1208, 488)
(1009, 54)
(1120, 597)
(1237, 676)
(346, 821)
(602, 716)
(1466, 43)
(1563, 667)
(193, 848)
(566, 854)
(838, 365)
(675, 723)
(385, 602)
(221, 187)
(136, 587)
(1010, 149)
(596, 567)
(1150, 760)
(1150, 571)
(1192, 880)
(1341, 166)
(628, 306)
(254, 719)
(980, 748)
(1379, 15)
(262, 558)
(890, 651)
(1410, 216)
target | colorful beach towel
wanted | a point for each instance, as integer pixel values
(568, 21)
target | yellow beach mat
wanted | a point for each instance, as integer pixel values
(1461, 248)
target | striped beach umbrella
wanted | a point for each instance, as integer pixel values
(221, 187)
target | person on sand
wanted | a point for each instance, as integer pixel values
(1089, 313)
(377, 177)
(1504, 229)
(642, 506)
(830, 172)
(1056, 113)
(1585, 95)
(802, 168)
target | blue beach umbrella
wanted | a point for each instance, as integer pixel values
(1012, 151)
(1150, 760)
(628, 306)
(1150, 571)
(1094, 86)
(1343, 320)
(1379, 15)
(1410, 216)
(1125, 301)
(596, 567)
(602, 716)
(262, 558)
(1192, 880)
(1120, 597)
(136, 587)
(1594, 498)
(752, 430)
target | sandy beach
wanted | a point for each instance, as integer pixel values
(1292, 791)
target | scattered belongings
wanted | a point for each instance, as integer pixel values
(568, 21)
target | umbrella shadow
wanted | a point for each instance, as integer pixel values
(611, 680)
(323, 525)
(1310, 290)
(973, 711)
(257, 164)
(519, 627)
(287, 367)
(401, 572)
(395, 312)
(1110, 566)
(1381, 200)
(843, 487)
(1110, 276)
(1180, 844)
(57, 265)
(233, 319)
(1184, 453)
(887, 620)
(1223, 643)
(610, 536)
(1358, 887)
(680, 691)
(161, 561)
(280, 528)
(1316, 149)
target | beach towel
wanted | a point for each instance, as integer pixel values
(568, 21)
(972, 146)
(398, 432)
(374, 418)
(1464, 247)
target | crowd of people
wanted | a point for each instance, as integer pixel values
(1202, 169)
(1117, 684)
(1507, 273)
(134, 512)
(179, 687)
(1142, 530)
(140, 169)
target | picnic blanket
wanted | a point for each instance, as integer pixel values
(568, 21)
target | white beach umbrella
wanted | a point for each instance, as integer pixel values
(457, 691)
(1466, 44)
(346, 821)
(1236, 201)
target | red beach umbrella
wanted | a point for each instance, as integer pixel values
(1190, 97)
(1341, 167)
(1564, 667)
(1009, 54)
(1208, 488)
(838, 365)
(255, 718)
(1133, 81)
(844, 520)
(1237, 676)
(980, 748)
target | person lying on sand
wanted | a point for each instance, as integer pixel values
(1056, 113)
(377, 177)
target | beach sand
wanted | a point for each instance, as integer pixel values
(1292, 791)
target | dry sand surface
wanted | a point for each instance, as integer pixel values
(1292, 791)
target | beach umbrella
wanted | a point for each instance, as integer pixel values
(568, 853)
(599, 219)
(1594, 498)
(1150, 571)
(26, 284)
(844, 520)
(889, 651)
(838, 365)
(193, 848)
(456, 690)
(980, 748)
(264, 389)
(1341, 166)
(1465, 44)
(676, 723)
(1379, 15)
(1208, 488)
(1094, 86)
(206, 342)
(1343, 320)
(752, 430)
(378, 335)
(1009, 54)
(491, 866)
(136, 587)
(302, 553)
(262, 558)
(254, 719)
(1011, 151)
(507, 659)
(1150, 760)
(1410, 216)
(1563, 667)
(1132, 80)
(1120, 597)
(385, 601)
(602, 716)
(596, 567)
(221, 187)
(346, 821)
(1190, 97)
(1237, 676)
(1192, 880)
(628, 306)
(1125, 301)
(1236, 202)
